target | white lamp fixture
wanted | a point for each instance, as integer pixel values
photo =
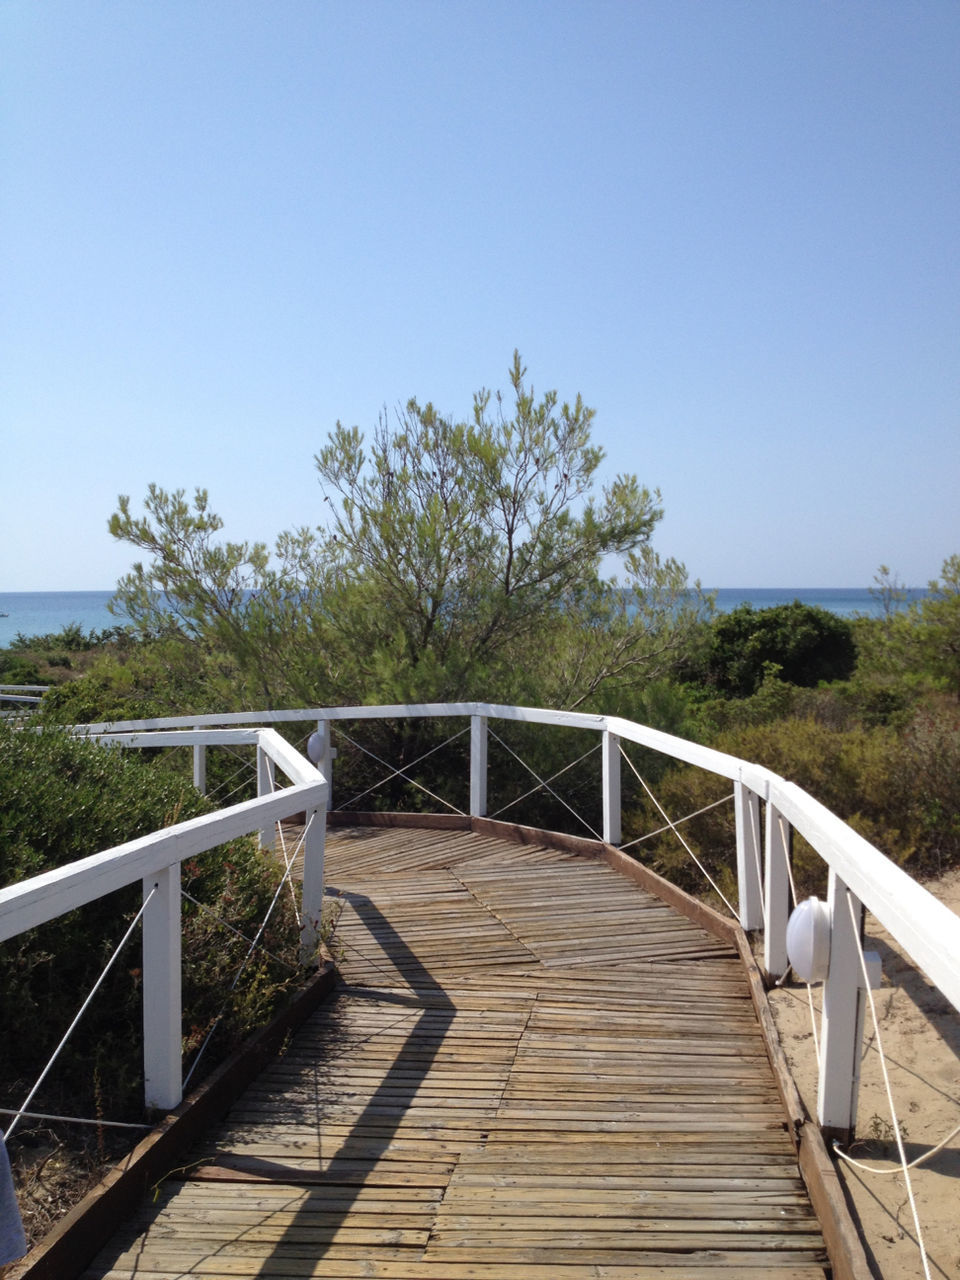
(808, 940)
(315, 747)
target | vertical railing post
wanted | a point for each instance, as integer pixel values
(265, 778)
(611, 787)
(200, 767)
(778, 841)
(322, 754)
(478, 766)
(747, 809)
(842, 1015)
(311, 911)
(162, 1017)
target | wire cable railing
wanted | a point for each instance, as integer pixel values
(401, 771)
(543, 784)
(765, 882)
(18, 1115)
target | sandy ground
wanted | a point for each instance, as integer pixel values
(920, 1033)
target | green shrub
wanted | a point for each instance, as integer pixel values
(804, 643)
(65, 798)
(900, 790)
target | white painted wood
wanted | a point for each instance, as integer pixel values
(926, 928)
(44, 897)
(478, 766)
(162, 1017)
(311, 910)
(200, 767)
(325, 762)
(611, 788)
(179, 737)
(842, 1020)
(265, 787)
(749, 875)
(287, 758)
(778, 840)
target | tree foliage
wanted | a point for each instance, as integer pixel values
(65, 798)
(459, 559)
(940, 624)
(801, 644)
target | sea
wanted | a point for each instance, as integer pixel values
(33, 613)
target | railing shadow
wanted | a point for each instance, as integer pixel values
(377, 1126)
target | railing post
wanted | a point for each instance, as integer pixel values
(478, 766)
(265, 778)
(311, 911)
(778, 841)
(200, 767)
(842, 1015)
(162, 1017)
(611, 787)
(747, 809)
(323, 755)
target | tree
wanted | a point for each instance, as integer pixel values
(468, 546)
(224, 598)
(459, 560)
(940, 624)
(805, 643)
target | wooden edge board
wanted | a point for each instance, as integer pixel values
(786, 1086)
(67, 1250)
(844, 1246)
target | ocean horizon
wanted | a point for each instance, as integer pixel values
(33, 613)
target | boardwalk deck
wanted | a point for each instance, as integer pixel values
(532, 1069)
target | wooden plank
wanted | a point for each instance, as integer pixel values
(85, 1229)
(501, 1089)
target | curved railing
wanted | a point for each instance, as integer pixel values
(155, 861)
(767, 809)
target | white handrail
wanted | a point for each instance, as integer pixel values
(926, 929)
(155, 860)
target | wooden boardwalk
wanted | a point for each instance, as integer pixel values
(532, 1069)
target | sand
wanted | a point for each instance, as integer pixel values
(920, 1033)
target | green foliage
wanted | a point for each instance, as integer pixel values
(65, 798)
(466, 538)
(71, 638)
(16, 669)
(165, 676)
(460, 560)
(805, 643)
(940, 625)
(901, 790)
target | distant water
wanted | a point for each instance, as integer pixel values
(845, 601)
(39, 613)
(42, 612)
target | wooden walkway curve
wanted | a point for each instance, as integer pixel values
(532, 1069)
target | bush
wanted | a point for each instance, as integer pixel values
(900, 790)
(805, 644)
(65, 798)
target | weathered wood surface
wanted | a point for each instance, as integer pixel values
(533, 1069)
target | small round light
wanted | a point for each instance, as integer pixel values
(808, 940)
(316, 745)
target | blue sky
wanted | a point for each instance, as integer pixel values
(733, 227)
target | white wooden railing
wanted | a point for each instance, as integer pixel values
(858, 872)
(155, 861)
(22, 694)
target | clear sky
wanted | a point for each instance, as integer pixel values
(733, 226)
